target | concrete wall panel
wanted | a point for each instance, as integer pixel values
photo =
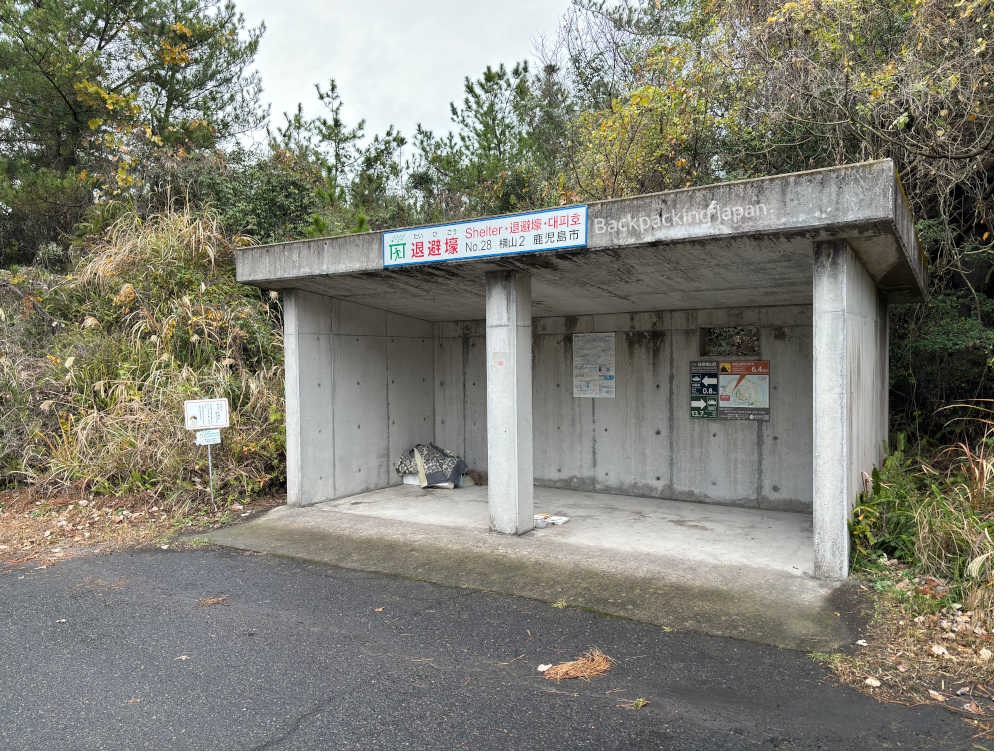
(314, 312)
(449, 395)
(712, 460)
(645, 439)
(571, 324)
(632, 431)
(410, 396)
(354, 395)
(292, 401)
(563, 427)
(353, 319)
(786, 477)
(360, 409)
(316, 417)
(474, 388)
(400, 325)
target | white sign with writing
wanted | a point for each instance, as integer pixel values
(208, 437)
(595, 365)
(207, 413)
(540, 231)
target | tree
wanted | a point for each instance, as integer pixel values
(267, 196)
(849, 80)
(87, 86)
(660, 102)
(357, 186)
(503, 154)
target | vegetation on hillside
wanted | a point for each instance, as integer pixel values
(124, 192)
(95, 365)
(936, 514)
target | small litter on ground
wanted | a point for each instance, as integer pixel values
(211, 600)
(590, 664)
(541, 519)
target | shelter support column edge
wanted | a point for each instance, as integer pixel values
(509, 401)
(308, 396)
(850, 386)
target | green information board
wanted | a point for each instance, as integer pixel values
(703, 388)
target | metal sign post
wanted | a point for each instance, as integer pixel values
(209, 461)
(207, 417)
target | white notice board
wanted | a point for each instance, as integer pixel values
(201, 414)
(595, 365)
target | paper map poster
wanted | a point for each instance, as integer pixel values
(730, 390)
(744, 390)
(595, 365)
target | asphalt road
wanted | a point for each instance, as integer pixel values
(115, 652)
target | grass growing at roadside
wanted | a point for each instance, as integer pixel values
(935, 516)
(95, 366)
(922, 538)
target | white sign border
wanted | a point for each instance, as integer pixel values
(502, 253)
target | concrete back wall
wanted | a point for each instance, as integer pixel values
(360, 391)
(643, 442)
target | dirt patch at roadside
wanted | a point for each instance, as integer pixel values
(920, 648)
(46, 529)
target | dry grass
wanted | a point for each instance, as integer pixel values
(211, 600)
(150, 316)
(590, 664)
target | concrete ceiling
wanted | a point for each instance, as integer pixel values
(665, 251)
(733, 273)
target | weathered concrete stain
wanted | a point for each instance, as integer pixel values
(580, 444)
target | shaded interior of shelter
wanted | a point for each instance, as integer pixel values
(409, 362)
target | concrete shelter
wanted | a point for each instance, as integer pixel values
(477, 348)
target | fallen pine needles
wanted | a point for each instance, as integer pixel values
(588, 665)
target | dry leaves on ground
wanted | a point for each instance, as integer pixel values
(41, 528)
(211, 600)
(941, 656)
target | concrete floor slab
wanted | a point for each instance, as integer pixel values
(636, 525)
(721, 570)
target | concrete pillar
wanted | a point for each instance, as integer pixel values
(308, 363)
(849, 396)
(509, 401)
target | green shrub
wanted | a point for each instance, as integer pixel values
(936, 516)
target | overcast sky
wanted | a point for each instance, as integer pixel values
(395, 61)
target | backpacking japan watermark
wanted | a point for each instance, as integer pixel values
(713, 213)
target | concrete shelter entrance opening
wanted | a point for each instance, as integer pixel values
(398, 338)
